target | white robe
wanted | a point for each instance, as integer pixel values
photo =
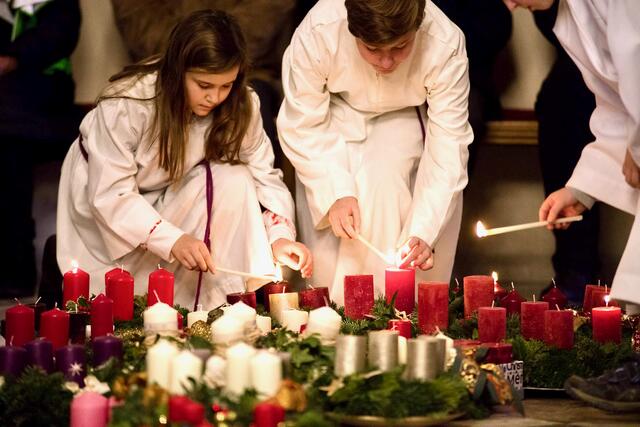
(603, 39)
(349, 131)
(108, 205)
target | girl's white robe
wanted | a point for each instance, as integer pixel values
(349, 131)
(108, 206)
(603, 39)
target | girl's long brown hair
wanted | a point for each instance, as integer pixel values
(205, 41)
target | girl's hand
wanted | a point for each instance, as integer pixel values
(415, 253)
(193, 254)
(560, 204)
(294, 255)
(344, 217)
(631, 171)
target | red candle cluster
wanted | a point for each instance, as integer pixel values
(54, 325)
(512, 302)
(248, 298)
(160, 284)
(118, 284)
(267, 414)
(101, 316)
(555, 297)
(402, 326)
(433, 306)
(402, 284)
(558, 328)
(586, 303)
(532, 319)
(314, 297)
(498, 352)
(606, 324)
(478, 292)
(492, 324)
(358, 296)
(20, 325)
(75, 283)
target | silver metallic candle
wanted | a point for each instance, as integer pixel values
(383, 349)
(351, 351)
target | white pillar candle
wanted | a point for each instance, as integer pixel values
(214, 371)
(324, 321)
(160, 318)
(199, 314)
(264, 324)
(280, 302)
(227, 330)
(293, 319)
(266, 373)
(402, 350)
(238, 369)
(243, 312)
(184, 366)
(159, 358)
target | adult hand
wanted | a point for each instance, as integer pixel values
(631, 171)
(529, 4)
(415, 253)
(7, 64)
(293, 254)
(344, 217)
(193, 254)
(560, 204)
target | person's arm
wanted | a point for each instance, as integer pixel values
(54, 37)
(442, 173)
(318, 153)
(125, 219)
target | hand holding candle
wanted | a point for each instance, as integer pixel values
(482, 231)
(415, 253)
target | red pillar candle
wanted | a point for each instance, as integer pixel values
(402, 326)
(498, 291)
(512, 302)
(272, 288)
(114, 272)
(248, 298)
(20, 325)
(478, 292)
(160, 283)
(101, 316)
(54, 325)
(358, 296)
(599, 298)
(38, 308)
(267, 414)
(75, 284)
(586, 304)
(313, 298)
(606, 323)
(492, 324)
(498, 352)
(119, 288)
(555, 297)
(558, 328)
(532, 319)
(433, 306)
(402, 283)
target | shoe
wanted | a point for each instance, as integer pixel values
(617, 390)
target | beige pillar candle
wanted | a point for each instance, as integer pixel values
(383, 349)
(199, 314)
(324, 321)
(184, 366)
(238, 369)
(227, 330)
(280, 302)
(159, 358)
(293, 319)
(351, 353)
(266, 373)
(244, 312)
(264, 324)
(161, 319)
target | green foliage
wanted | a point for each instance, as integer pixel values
(35, 399)
(378, 320)
(463, 328)
(133, 412)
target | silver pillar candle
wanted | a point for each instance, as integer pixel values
(417, 360)
(383, 349)
(351, 351)
(435, 353)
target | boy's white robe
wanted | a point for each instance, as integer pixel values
(603, 39)
(108, 205)
(349, 131)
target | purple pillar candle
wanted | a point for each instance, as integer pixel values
(106, 347)
(71, 361)
(40, 353)
(12, 360)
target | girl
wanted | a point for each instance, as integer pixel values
(174, 151)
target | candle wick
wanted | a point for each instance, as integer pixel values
(38, 300)
(558, 307)
(18, 301)
(55, 304)
(493, 303)
(513, 288)
(159, 267)
(325, 300)
(11, 341)
(605, 287)
(156, 294)
(553, 281)
(310, 285)
(598, 282)
(534, 297)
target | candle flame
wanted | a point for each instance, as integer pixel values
(495, 277)
(481, 230)
(74, 266)
(606, 300)
(513, 287)
(278, 272)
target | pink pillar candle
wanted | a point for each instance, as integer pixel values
(101, 316)
(75, 284)
(314, 297)
(54, 325)
(402, 326)
(532, 319)
(160, 283)
(248, 298)
(119, 288)
(20, 325)
(492, 324)
(89, 409)
(478, 292)
(607, 325)
(558, 328)
(402, 283)
(358, 296)
(433, 306)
